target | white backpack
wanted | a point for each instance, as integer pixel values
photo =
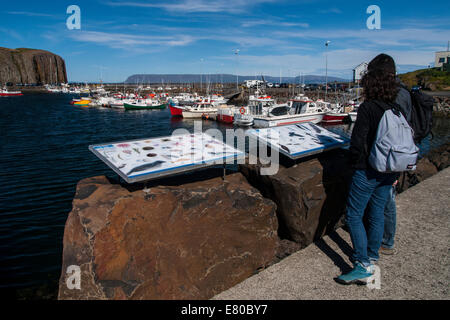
(394, 149)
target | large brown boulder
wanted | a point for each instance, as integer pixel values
(310, 195)
(168, 242)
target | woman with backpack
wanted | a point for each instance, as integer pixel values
(370, 186)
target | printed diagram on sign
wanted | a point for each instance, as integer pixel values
(144, 159)
(299, 140)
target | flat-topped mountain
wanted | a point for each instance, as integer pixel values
(222, 78)
(31, 66)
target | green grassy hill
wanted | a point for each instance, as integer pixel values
(431, 79)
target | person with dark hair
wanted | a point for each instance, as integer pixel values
(369, 188)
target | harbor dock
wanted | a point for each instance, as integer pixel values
(419, 270)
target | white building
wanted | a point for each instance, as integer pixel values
(359, 71)
(441, 58)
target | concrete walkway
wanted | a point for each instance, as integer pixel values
(419, 270)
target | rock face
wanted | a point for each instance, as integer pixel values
(310, 196)
(442, 105)
(436, 160)
(31, 66)
(167, 242)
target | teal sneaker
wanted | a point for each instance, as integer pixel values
(358, 275)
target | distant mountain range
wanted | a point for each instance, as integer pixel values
(222, 78)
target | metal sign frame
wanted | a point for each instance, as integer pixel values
(166, 172)
(345, 142)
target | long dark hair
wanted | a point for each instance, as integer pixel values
(379, 85)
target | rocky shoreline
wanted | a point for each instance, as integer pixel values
(195, 240)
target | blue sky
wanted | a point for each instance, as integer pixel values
(123, 37)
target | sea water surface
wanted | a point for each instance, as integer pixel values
(44, 153)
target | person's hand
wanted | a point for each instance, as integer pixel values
(395, 183)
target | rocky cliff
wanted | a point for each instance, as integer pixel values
(31, 66)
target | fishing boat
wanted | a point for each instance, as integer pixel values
(5, 93)
(82, 103)
(353, 106)
(336, 114)
(226, 113)
(144, 105)
(199, 110)
(175, 110)
(298, 110)
(257, 105)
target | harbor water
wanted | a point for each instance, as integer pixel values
(44, 153)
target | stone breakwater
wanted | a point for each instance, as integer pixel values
(442, 105)
(187, 242)
(195, 240)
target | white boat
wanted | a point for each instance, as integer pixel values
(5, 93)
(298, 110)
(257, 105)
(199, 110)
(244, 120)
(352, 105)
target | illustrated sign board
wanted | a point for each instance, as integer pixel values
(299, 140)
(146, 159)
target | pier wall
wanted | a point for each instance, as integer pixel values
(197, 239)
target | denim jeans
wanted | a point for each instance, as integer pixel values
(390, 221)
(370, 189)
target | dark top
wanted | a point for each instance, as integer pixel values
(365, 130)
(366, 126)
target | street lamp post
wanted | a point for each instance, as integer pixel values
(201, 75)
(236, 52)
(326, 68)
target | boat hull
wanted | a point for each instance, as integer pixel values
(267, 122)
(197, 114)
(143, 107)
(176, 111)
(10, 94)
(225, 118)
(82, 103)
(334, 117)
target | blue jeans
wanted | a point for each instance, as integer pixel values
(370, 189)
(390, 221)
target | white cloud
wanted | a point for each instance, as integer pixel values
(11, 33)
(253, 23)
(30, 14)
(127, 41)
(190, 6)
(389, 37)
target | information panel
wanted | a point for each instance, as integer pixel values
(146, 159)
(299, 140)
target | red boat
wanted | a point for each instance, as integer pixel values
(334, 117)
(176, 111)
(5, 93)
(226, 115)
